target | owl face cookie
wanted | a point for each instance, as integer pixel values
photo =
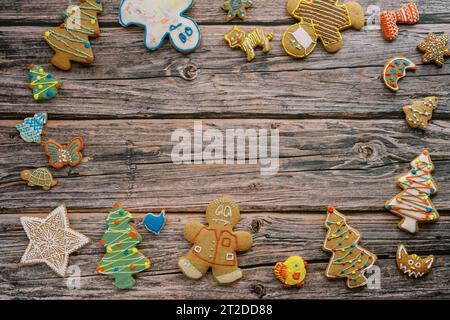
(413, 265)
(161, 19)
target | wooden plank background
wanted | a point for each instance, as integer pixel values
(343, 141)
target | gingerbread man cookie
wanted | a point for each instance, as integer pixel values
(215, 245)
(162, 18)
(320, 19)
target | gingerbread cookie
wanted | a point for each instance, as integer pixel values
(236, 8)
(435, 49)
(237, 38)
(40, 177)
(31, 128)
(70, 40)
(411, 264)
(413, 204)
(154, 222)
(162, 18)
(420, 112)
(122, 258)
(291, 272)
(395, 69)
(68, 155)
(408, 14)
(348, 259)
(44, 85)
(320, 19)
(299, 40)
(215, 245)
(51, 240)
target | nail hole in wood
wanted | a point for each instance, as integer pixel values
(188, 71)
(366, 151)
(256, 225)
(259, 290)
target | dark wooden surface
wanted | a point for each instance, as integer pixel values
(343, 141)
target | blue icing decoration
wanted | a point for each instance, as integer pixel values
(154, 223)
(31, 128)
(397, 62)
(406, 63)
(182, 31)
(394, 71)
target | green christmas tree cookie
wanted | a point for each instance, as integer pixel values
(122, 259)
(44, 85)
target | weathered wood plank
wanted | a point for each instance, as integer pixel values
(152, 85)
(203, 11)
(353, 164)
(276, 236)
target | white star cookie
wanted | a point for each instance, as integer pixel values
(161, 18)
(51, 240)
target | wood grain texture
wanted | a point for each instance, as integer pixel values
(153, 85)
(353, 164)
(203, 11)
(276, 236)
(343, 141)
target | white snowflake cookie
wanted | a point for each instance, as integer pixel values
(161, 18)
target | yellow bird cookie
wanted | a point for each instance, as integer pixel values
(291, 272)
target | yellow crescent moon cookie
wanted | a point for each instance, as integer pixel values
(395, 69)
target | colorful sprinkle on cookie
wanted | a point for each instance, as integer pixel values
(413, 204)
(348, 259)
(122, 258)
(395, 69)
(70, 40)
(435, 49)
(44, 85)
(60, 156)
(236, 8)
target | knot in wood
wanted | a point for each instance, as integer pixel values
(256, 225)
(371, 152)
(259, 290)
(188, 71)
(366, 151)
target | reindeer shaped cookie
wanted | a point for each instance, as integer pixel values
(70, 40)
(162, 18)
(237, 38)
